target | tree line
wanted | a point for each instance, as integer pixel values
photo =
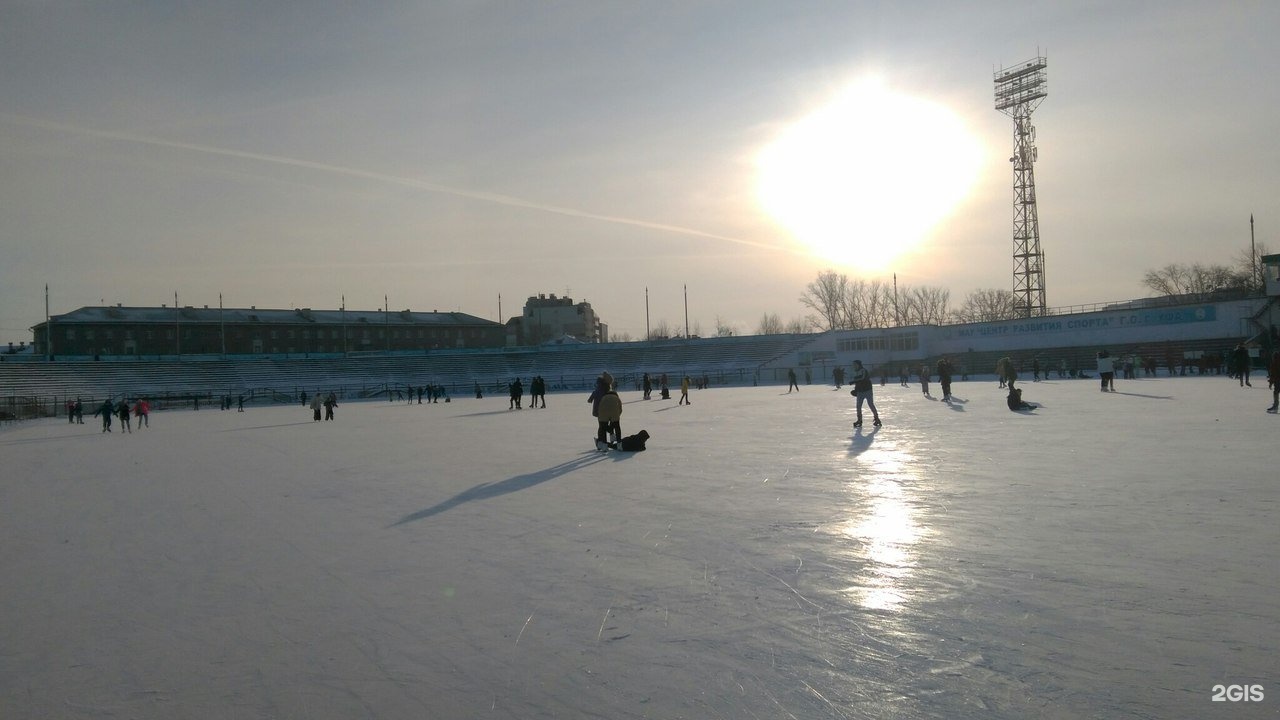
(839, 303)
(836, 302)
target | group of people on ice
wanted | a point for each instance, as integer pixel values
(108, 410)
(325, 402)
(537, 393)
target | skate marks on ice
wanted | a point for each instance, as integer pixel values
(485, 491)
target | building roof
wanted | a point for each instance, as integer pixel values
(189, 314)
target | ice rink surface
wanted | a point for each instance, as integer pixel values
(1104, 556)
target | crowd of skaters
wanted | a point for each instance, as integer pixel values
(1238, 362)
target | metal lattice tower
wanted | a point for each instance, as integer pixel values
(1019, 90)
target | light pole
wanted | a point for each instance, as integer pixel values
(1018, 91)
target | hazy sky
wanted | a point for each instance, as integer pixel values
(446, 153)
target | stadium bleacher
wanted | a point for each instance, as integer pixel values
(732, 360)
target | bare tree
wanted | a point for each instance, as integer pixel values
(723, 329)
(924, 305)
(661, 330)
(879, 305)
(621, 337)
(1196, 281)
(798, 326)
(826, 295)
(769, 325)
(988, 305)
(1249, 267)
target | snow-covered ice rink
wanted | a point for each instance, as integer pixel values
(1105, 556)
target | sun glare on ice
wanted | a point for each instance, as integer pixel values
(869, 176)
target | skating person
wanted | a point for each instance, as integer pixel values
(944, 378)
(317, 403)
(142, 410)
(904, 376)
(684, 391)
(924, 380)
(1005, 372)
(606, 407)
(647, 386)
(863, 391)
(516, 392)
(538, 392)
(791, 380)
(1273, 380)
(1242, 361)
(330, 403)
(106, 410)
(609, 430)
(838, 375)
(1106, 371)
(123, 411)
(79, 412)
(240, 406)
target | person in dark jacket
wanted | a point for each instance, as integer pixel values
(1016, 402)
(517, 393)
(123, 410)
(1240, 356)
(537, 391)
(862, 390)
(944, 378)
(1273, 375)
(106, 410)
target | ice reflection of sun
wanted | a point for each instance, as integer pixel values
(886, 531)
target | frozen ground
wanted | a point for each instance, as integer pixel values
(1107, 556)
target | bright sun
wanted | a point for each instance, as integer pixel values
(866, 178)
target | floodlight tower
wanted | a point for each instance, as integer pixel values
(1019, 90)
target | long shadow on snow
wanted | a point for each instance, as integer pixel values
(862, 441)
(485, 491)
(267, 427)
